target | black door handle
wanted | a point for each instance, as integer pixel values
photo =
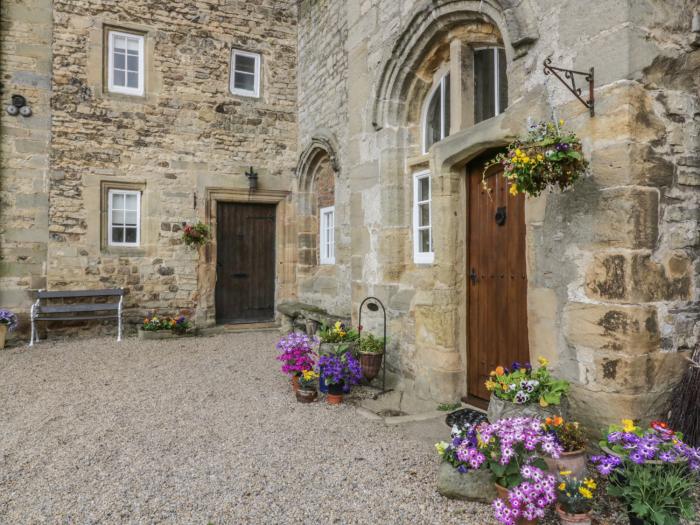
(473, 276)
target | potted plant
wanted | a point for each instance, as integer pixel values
(195, 235)
(180, 325)
(155, 327)
(8, 322)
(371, 350)
(571, 437)
(575, 499)
(297, 355)
(307, 387)
(546, 157)
(524, 391)
(334, 337)
(339, 372)
(651, 471)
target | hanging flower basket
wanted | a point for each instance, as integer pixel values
(195, 235)
(547, 157)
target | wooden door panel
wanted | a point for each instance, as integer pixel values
(245, 286)
(497, 301)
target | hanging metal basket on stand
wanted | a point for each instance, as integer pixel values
(371, 363)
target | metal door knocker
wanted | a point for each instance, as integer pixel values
(501, 216)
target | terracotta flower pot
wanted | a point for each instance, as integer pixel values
(3, 334)
(335, 394)
(574, 461)
(295, 383)
(306, 396)
(579, 519)
(371, 364)
(503, 494)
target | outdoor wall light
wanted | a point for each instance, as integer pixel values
(19, 106)
(252, 179)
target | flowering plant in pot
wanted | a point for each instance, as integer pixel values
(339, 372)
(575, 498)
(307, 386)
(338, 333)
(524, 391)
(651, 471)
(153, 323)
(180, 325)
(570, 435)
(8, 322)
(297, 355)
(512, 450)
(371, 355)
(548, 156)
(465, 441)
(197, 234)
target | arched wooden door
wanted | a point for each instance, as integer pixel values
(497, 276)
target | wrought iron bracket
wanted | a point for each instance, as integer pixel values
(569, 80)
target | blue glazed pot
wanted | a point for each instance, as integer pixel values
(322, 386)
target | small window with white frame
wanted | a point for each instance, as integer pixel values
(245, 73)
(327, 235)
(436, 113)
(490, 83)
(124, 217)
(125, 63)
(422, 219)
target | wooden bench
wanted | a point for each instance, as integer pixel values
(42, 311)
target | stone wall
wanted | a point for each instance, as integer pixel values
(187, 134)
(25, 62)
(612, 265)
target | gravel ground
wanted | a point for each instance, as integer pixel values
(197, 431)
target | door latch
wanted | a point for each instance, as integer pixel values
(473, 276)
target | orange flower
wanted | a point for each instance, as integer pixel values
(500, 371)
(558, 420)
(548, 421)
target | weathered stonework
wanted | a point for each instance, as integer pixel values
(612, 265)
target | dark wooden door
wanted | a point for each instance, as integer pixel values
(245, 276)
(497, 277)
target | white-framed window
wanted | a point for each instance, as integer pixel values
(436, 113)
(490, 83)
(124, 217)
(422, 219)
(327, 235)
(245, 73)
(125, 63)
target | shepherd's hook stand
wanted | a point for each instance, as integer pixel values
(373, 305)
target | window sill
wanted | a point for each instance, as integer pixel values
(135, 251)
(424, 259)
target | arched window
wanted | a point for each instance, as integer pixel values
(436, 113)
(490, 83)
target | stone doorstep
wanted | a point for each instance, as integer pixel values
(246, 327)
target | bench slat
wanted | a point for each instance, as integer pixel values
(64, 308)
(44, 294)
(83, 318)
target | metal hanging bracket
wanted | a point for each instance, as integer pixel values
(569, 80)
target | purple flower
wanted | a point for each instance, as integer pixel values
(8, 318)
(521, 398)
(562, 147)
(340, 370)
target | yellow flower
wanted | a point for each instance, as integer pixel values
(590, 484)
(628, 425)
(561, 121)
(540, 157)
(562, 486)
(490, 385)
(518, 152)
(513, 190)
(565, 473)
(585, 492)
(526, 159)
(440, 447)
(543, 361)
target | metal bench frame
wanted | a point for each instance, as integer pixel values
(45, 312)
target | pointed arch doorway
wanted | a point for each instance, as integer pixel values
(496, 276)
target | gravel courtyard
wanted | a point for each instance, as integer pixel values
(197, 431)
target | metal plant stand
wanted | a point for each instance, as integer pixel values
(373, 305)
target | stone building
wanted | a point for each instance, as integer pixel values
(368, 123)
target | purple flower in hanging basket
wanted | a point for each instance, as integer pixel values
(8, 318)
(563, 147)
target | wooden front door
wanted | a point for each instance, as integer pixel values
(497, 277)
(245, 274)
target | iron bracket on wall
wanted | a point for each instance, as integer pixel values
(569, 80)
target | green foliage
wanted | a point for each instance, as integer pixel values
(197, 234)
(337, 333)
(575, 495)
(369, 344)
(524, 385)
(658, 494)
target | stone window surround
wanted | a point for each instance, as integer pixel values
(97, 60)
(143, 235)
(108, 63)
(327, 235)
(257, 74)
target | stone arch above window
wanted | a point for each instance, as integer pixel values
(427, 38)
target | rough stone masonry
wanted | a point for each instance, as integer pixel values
(612, 266)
